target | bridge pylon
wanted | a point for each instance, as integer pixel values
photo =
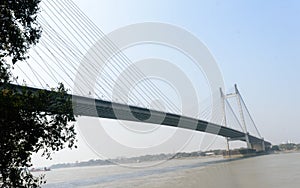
(239, 98)
(223, 97)
(236, 94)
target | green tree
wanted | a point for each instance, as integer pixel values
(287, 146)
(275, 148)
(29, 121)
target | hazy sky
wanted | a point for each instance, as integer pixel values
(255, 43)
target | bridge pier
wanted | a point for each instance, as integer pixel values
(249, 145)
(259, 146)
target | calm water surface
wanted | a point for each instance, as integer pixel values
(270, 171)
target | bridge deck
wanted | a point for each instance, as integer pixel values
(84, 106)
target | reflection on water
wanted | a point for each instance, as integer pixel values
(281, 170)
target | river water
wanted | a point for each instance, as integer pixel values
(269, 171)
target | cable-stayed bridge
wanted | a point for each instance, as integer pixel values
(84, 106)
(69, 35)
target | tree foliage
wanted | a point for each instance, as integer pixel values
(30, 121)
(19, 28)
(288, 146)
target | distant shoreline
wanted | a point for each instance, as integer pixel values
(280, 149)
(141, 159)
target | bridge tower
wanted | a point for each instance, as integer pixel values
(223, 98)
(240, 102)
